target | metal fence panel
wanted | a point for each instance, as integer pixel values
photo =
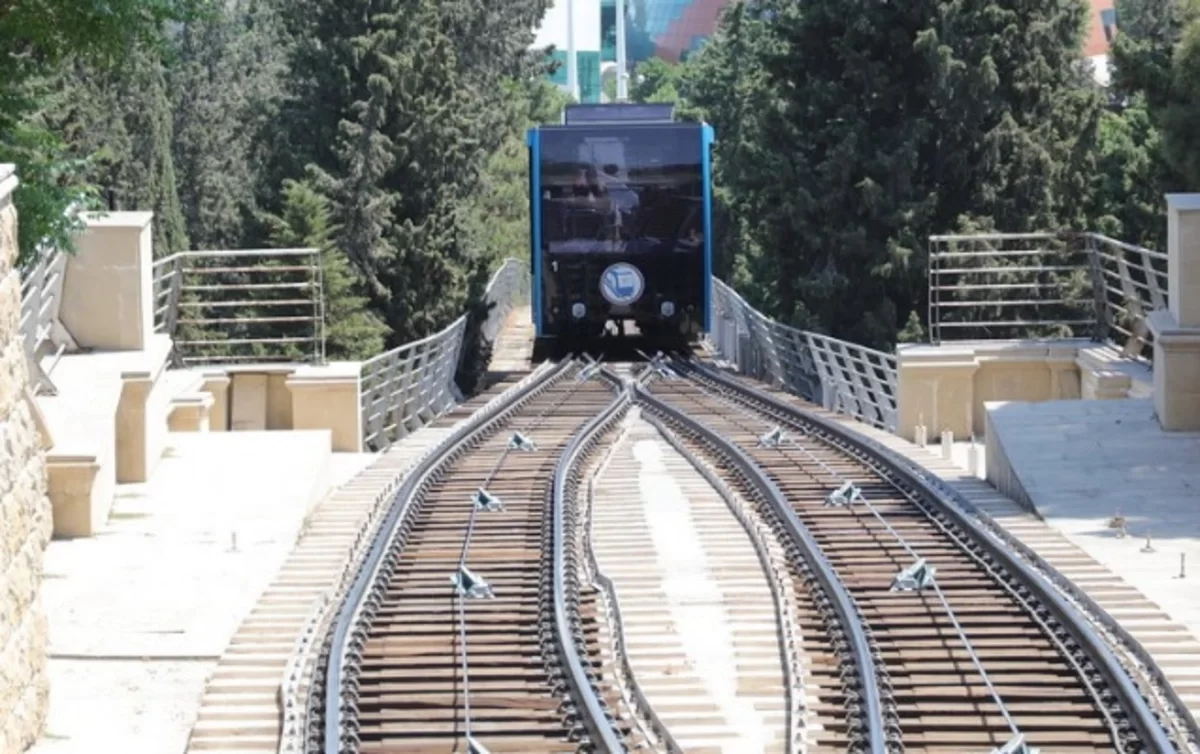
(841, 376)
(411, 385)
(1038, 285)
(248, 306)
(42, 335)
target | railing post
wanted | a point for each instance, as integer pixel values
(318, 283)
(1099, 291)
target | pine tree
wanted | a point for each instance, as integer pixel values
(121, 119)
(352, 331)
(225, 93)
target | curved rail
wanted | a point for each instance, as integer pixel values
(619, 643)
(590, 709)
(1144, 720)
(839, 596)
(348, 630)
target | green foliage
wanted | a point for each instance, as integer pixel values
(391, 134)
(117, 121)
(225, 94)
(101, 31)
(1147, 145)
(352, 331)
(1126, 192)
(36, 38)
(497, 215)
(394, 108)
(47, 188)
(1180, 116)
(849, 134)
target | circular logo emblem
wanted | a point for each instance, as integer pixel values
(622, 284)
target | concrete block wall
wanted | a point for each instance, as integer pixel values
(25, 517)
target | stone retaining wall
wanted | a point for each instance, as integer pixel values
(25, 515)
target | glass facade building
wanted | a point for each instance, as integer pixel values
(555, 31)
(587, 71)
(667, 29)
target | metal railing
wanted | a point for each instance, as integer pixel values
(1044, 285)
(248, 306)
(1128, 282)
(409, 386)
(41, 299)
(844, 377)
(508, 286)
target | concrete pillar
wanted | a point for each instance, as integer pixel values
(216, 384)
(135, 457)
(191, 413)
(1061, 360)
(113, 265)
(1177, 328)
(329, 397)
(935, 387)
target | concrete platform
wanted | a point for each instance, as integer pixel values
(1077, 463)
(140, 613)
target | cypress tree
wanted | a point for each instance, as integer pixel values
(876, 125)
(394, 108)
(121, 119)
(352, 332)
(225, 92)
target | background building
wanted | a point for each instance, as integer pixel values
(553, 31)
(667, 29)
(671, 29)
(1102, 29)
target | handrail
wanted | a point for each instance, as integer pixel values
(842, 376)
(1021, 285)
(41, 300)
(217, 310)
(407, 387)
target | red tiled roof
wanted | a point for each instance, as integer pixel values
(1096, 43)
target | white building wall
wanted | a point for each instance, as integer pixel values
(553, 30)
(1100, 69)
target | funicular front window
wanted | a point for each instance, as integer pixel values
(619, 189)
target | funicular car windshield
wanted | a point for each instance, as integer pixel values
(623, 189)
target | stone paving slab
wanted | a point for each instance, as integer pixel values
(1080, 462)
(139, 613)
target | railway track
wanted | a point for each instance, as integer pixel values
(970, 657)
(466, 628)
(528, 592)
(697, 583)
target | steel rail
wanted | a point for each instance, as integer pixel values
(839, 596)
(587, 701)
(954, 506)
(340, 682)
(619, 643)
